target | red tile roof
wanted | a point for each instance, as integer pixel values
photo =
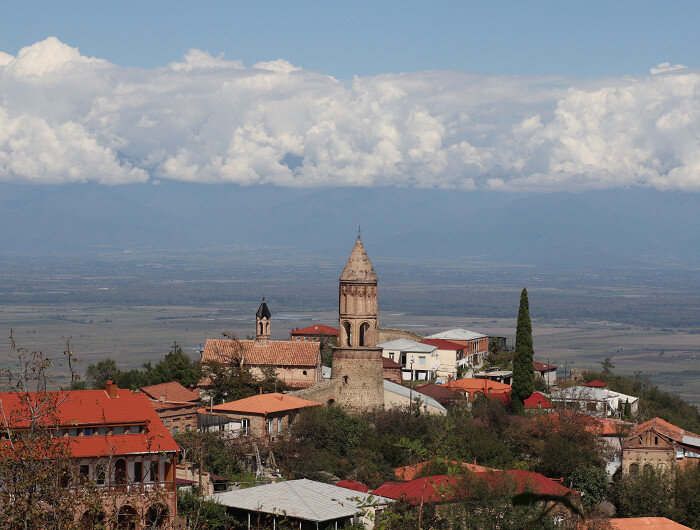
(272, 353)
(389, 364)
(265, 404)
(352, 485)
(596, 384)
(444, 344)
(440, 393)
(639, 523)
(316, 329)
(406, 473)
(662, 427)
(479, 385)
(94, 408)
(542, 367)
(444, 488)
(172, 391)
(537, 401)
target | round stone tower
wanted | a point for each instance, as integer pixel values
(357, 363)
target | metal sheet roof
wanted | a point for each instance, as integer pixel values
(301, 499)
(401, 390)
(407, 345)
(457, 334)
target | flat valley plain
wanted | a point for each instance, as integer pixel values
(132, 306)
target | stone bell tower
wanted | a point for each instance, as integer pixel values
(357, 363)
(262, 324)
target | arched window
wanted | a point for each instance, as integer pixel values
(127, 517)
(364, 328)
(648, 469)
(634, 469)
(157, 516)
(261, 328)
(348, 336)
(120, 472)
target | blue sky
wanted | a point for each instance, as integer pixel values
(579, 38)
(508, 96)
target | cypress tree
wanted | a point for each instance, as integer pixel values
(523, 374)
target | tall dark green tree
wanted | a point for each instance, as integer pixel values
(523, 374)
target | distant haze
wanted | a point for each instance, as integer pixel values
(585, 230)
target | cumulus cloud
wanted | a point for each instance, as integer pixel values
(65, 117)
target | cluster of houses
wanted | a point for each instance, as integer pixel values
(123, 439)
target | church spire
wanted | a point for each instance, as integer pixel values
(262, 323)
(358, 267)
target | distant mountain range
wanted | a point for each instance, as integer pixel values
(592, 229)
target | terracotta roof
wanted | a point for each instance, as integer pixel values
(444, 344)
(352, 485)
(601, 426)
(444, 488)
(316, 329)
(389, 363)
(406, 473)
(94, 408)
(271, 353)
(265, 404)
(596, 384)
(537, 401)
(173, 391)
(635, 523)
(484, 385)
(662, 427)
(542, 367)
(440, 393)
(358, 267)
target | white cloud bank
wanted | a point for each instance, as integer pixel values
(66, 118)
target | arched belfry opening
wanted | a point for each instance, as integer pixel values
(262, 323)
(347, 334)
(364, 329)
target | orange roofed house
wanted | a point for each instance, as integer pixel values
(472, 388)
(259, 416)
(315, 333)
(115, 439)
(176, 405)
(657, 445)
(296, 363)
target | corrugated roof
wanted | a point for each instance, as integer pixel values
(301, 499)
(271, 353)
(590, 393)
(444, 344)
(173, 391)
(265, 404)
(94, 408)
(457, 334)
(407, 473)
(407, 345)
(401, 390)
(537, 401)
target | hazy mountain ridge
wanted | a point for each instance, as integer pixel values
(625, 228)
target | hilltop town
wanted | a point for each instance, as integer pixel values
(358, 426)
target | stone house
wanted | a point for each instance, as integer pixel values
(260, 416)
(176, 405)
(392, 370)
(657, 445)
(116, 439)
(296, 363)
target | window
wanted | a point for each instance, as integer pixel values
(73, 431)
(118, 430)
(155, 471)
(165, 422)
(268, 426)
(138, 471)
(656, 440)
(100, 474)
(421, 360)
(85, 470)
(103, 431)
(136, 429)
(120, 472)
(245, 425)
(591, 406)
(187, 428)
(175, 430)
(88, 431)
(279, 425)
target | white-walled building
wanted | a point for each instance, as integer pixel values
(419, 362)
(594, 401)
(477, 344)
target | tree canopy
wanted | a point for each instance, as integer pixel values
(523, 374)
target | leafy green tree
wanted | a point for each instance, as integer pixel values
(103, 371)
(592, 481)
(523, 374)
(203, 514)
(176, 366)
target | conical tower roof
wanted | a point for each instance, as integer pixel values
(263, 311)
(359, 267)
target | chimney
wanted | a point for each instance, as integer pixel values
(261, 391)
(111, 388)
